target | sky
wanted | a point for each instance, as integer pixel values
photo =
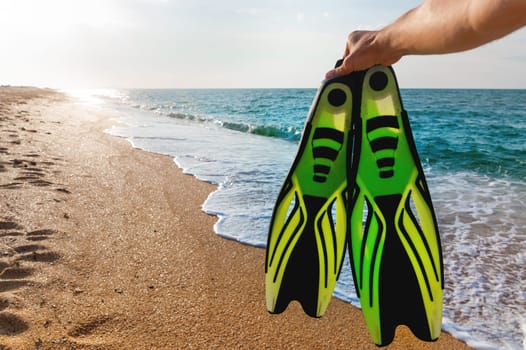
(220, 44)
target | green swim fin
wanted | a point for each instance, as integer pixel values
(308, 231)
(394, 243)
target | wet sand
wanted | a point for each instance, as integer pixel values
(103, 246)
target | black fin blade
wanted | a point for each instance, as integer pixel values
(400, 297)
(301, 276)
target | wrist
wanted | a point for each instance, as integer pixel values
(389, 46)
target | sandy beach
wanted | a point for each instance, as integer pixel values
(103, 246)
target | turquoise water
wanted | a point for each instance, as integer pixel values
(472, 144)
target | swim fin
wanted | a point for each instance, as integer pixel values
(308, 231)
(395, 253)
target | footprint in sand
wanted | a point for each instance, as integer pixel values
(29, 248)
(9, 225)
(18, 247)
(40, 235)
(11, 324)
(90, 327)
(12, 185)
(16, 270)
(4, 303)
(36, 252)
(40, 257)
(7, 286)
(12, 277)
(35, 171)
(22, 163)
(94, 331)
(41, 183)
(3, 165)
(30, 173)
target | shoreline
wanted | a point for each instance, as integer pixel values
(108, 248)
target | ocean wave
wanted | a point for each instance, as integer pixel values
(187, 116)
(288, 132)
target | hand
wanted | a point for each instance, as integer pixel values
(363, 50)
(434, 27)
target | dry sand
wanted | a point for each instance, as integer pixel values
(105, 247)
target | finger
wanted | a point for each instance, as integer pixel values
(330, 74)
(345, 68)
(352, 38)
(347, 49)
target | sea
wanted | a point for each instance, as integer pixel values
(472, 144)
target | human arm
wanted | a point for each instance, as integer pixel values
(434, 27)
